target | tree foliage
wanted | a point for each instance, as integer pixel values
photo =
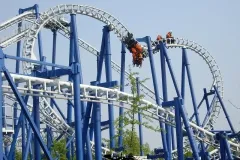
(59, 149)
(131, 141)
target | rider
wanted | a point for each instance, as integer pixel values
(170, 38)
(169, 35)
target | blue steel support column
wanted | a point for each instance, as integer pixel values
(92, 121)
(54, 48)
(29, 134)
(100, 59)
(69, 106)
(193, 96)
(109, 79)
(179, 130)
(97, 131)
(227, 147)
(188, 129)
(37, 151)
(224, 109)
(25, 110)
(1, 104)
(23, 105)
(36, 113)
(76, 83)
(23, 136)
(49, 130)
(182, 110)
(154, 78)
(140, 121)
(206, 99)
(39, 34)
(122, 81)
(183, 79)
(11, 154)
(222, 146)
(87, 137)
(17, 71)
(86, 120)
(165, 98)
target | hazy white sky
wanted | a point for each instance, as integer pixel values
(213, 24)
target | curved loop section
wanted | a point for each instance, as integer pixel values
(115, 25)
(215, 71)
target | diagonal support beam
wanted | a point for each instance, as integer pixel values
(23, 105)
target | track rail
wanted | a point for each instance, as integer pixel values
(116, 26)
(105, 94)
(16, 19)
(121, 31)
(215, 71)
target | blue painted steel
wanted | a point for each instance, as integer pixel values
(58, 109)
(173, 139)
(108, 84)
(220, 137)
(53, 73)
(199, 105)
(224, 109)
(210, 110)
(155, 84)
(179, 133)
(37, 62)
(17, 71)
(76, 81)
(49, 130)
(193, 97)
(54, 48)
(182, 109)
(227, 148)
(23, 136)
(187, 127)
(92, 121)
(206, 99)
(36, 117)
(86, 120)
(29, 8)
(69, 103)
(87, 138)
(140, 120)
(165, 98)
(97, 131)
(100, 59)
(222, 151)
(108, 69)
(39, 34)
(122, 81)
(29, 134)
(172, 73)
(15, 135)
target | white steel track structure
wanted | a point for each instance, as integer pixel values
(120, 31)
(104, 95)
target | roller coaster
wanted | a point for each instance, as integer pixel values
(31, 98)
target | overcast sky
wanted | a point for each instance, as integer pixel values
(213, 24)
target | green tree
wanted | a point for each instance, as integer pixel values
(59, 149)
(18, 155)
(131, 142)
